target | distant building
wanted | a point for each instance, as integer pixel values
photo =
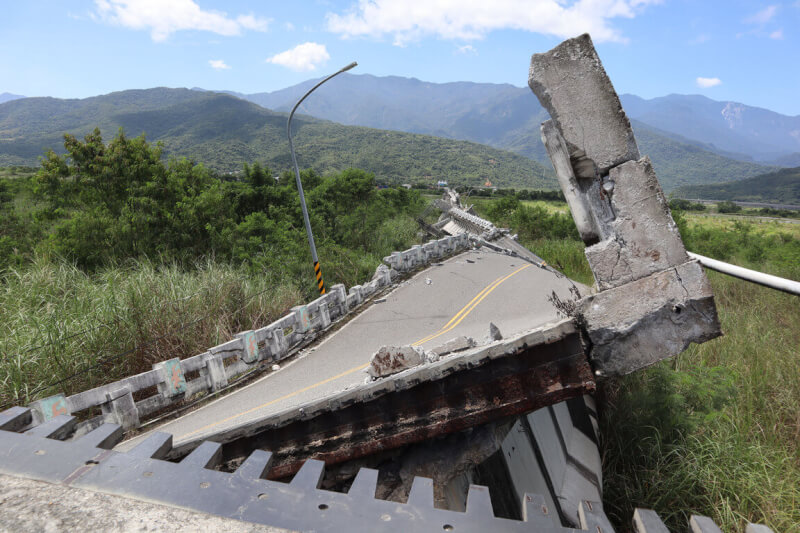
(442, 183)
(487, 184)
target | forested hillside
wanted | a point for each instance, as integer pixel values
(780, 187)
(223, 132)
(508, 118)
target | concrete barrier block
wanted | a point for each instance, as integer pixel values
(302, 319)
(277, 343)
(249, 346)
(324, 314)
(573, 86)
(49, 408)
(173, 382)
(120, 408)
(355, 293)
(214, 372)
(642, 322)
(418, 255)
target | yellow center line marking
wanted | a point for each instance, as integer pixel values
(452, 323)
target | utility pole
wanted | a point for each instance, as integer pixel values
(314, 258)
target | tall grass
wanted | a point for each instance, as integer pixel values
(57, 321)
(716, 430)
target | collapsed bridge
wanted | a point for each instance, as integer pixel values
(515, 394)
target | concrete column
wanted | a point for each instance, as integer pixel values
(214, 372)
(48, 408)
(355, 291)
(173, 381)
(249, 347)
(653, 302)
(324, 313)
(302, 320)
(277, 344)
(119, 408)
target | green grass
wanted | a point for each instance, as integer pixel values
(714, 431)
(57, 320)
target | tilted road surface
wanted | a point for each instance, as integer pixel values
(457, 297)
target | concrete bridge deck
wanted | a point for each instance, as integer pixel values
(457, 297)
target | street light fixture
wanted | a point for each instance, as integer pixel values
(314, 258)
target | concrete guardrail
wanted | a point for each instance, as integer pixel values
(177, 380)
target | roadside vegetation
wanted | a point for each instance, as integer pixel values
(716, 430)
(112, 259)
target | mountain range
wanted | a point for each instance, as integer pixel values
(493, 114)
(224, 132)
(7, 97)
(780, 187)
(691, 139)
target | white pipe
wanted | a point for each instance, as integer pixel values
(767, 280)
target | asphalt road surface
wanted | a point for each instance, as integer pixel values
(458, 297)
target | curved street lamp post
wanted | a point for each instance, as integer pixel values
(314, 258)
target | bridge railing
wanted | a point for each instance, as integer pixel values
(130, 400)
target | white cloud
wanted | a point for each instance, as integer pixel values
(289, 26)
(218, 64)
(705, 83)
(162, 18)
(763, 16)
(466, 49)
(700, 39)
(777, 34)
(302, 58)
(472, 19)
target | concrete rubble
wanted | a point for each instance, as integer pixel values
(389, 360)
(653, 301)
(494, 333)
(456, 344)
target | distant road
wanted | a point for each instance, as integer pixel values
(458, 297)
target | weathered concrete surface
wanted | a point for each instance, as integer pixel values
(390, 360)
(573, 86)
(577, 192)
(29, 505)
(455, 345)
(442, 460)
(649, 319)
(644, 237)
(646, 311)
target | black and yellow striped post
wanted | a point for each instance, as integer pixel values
(306, 221)
(320, 281)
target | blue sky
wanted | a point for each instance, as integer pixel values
(745, 51)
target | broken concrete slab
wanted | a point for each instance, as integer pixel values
(393, 359)
(644, 237)
(494, 333)
(456, 344)
(573, 86)
(578, 194)
(638, 324)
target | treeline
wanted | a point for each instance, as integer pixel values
(100, 204)
(553, 195)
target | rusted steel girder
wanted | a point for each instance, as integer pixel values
(468, 392)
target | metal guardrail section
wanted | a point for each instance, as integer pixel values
(215, 368)
(89, 463)
(753, 276)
